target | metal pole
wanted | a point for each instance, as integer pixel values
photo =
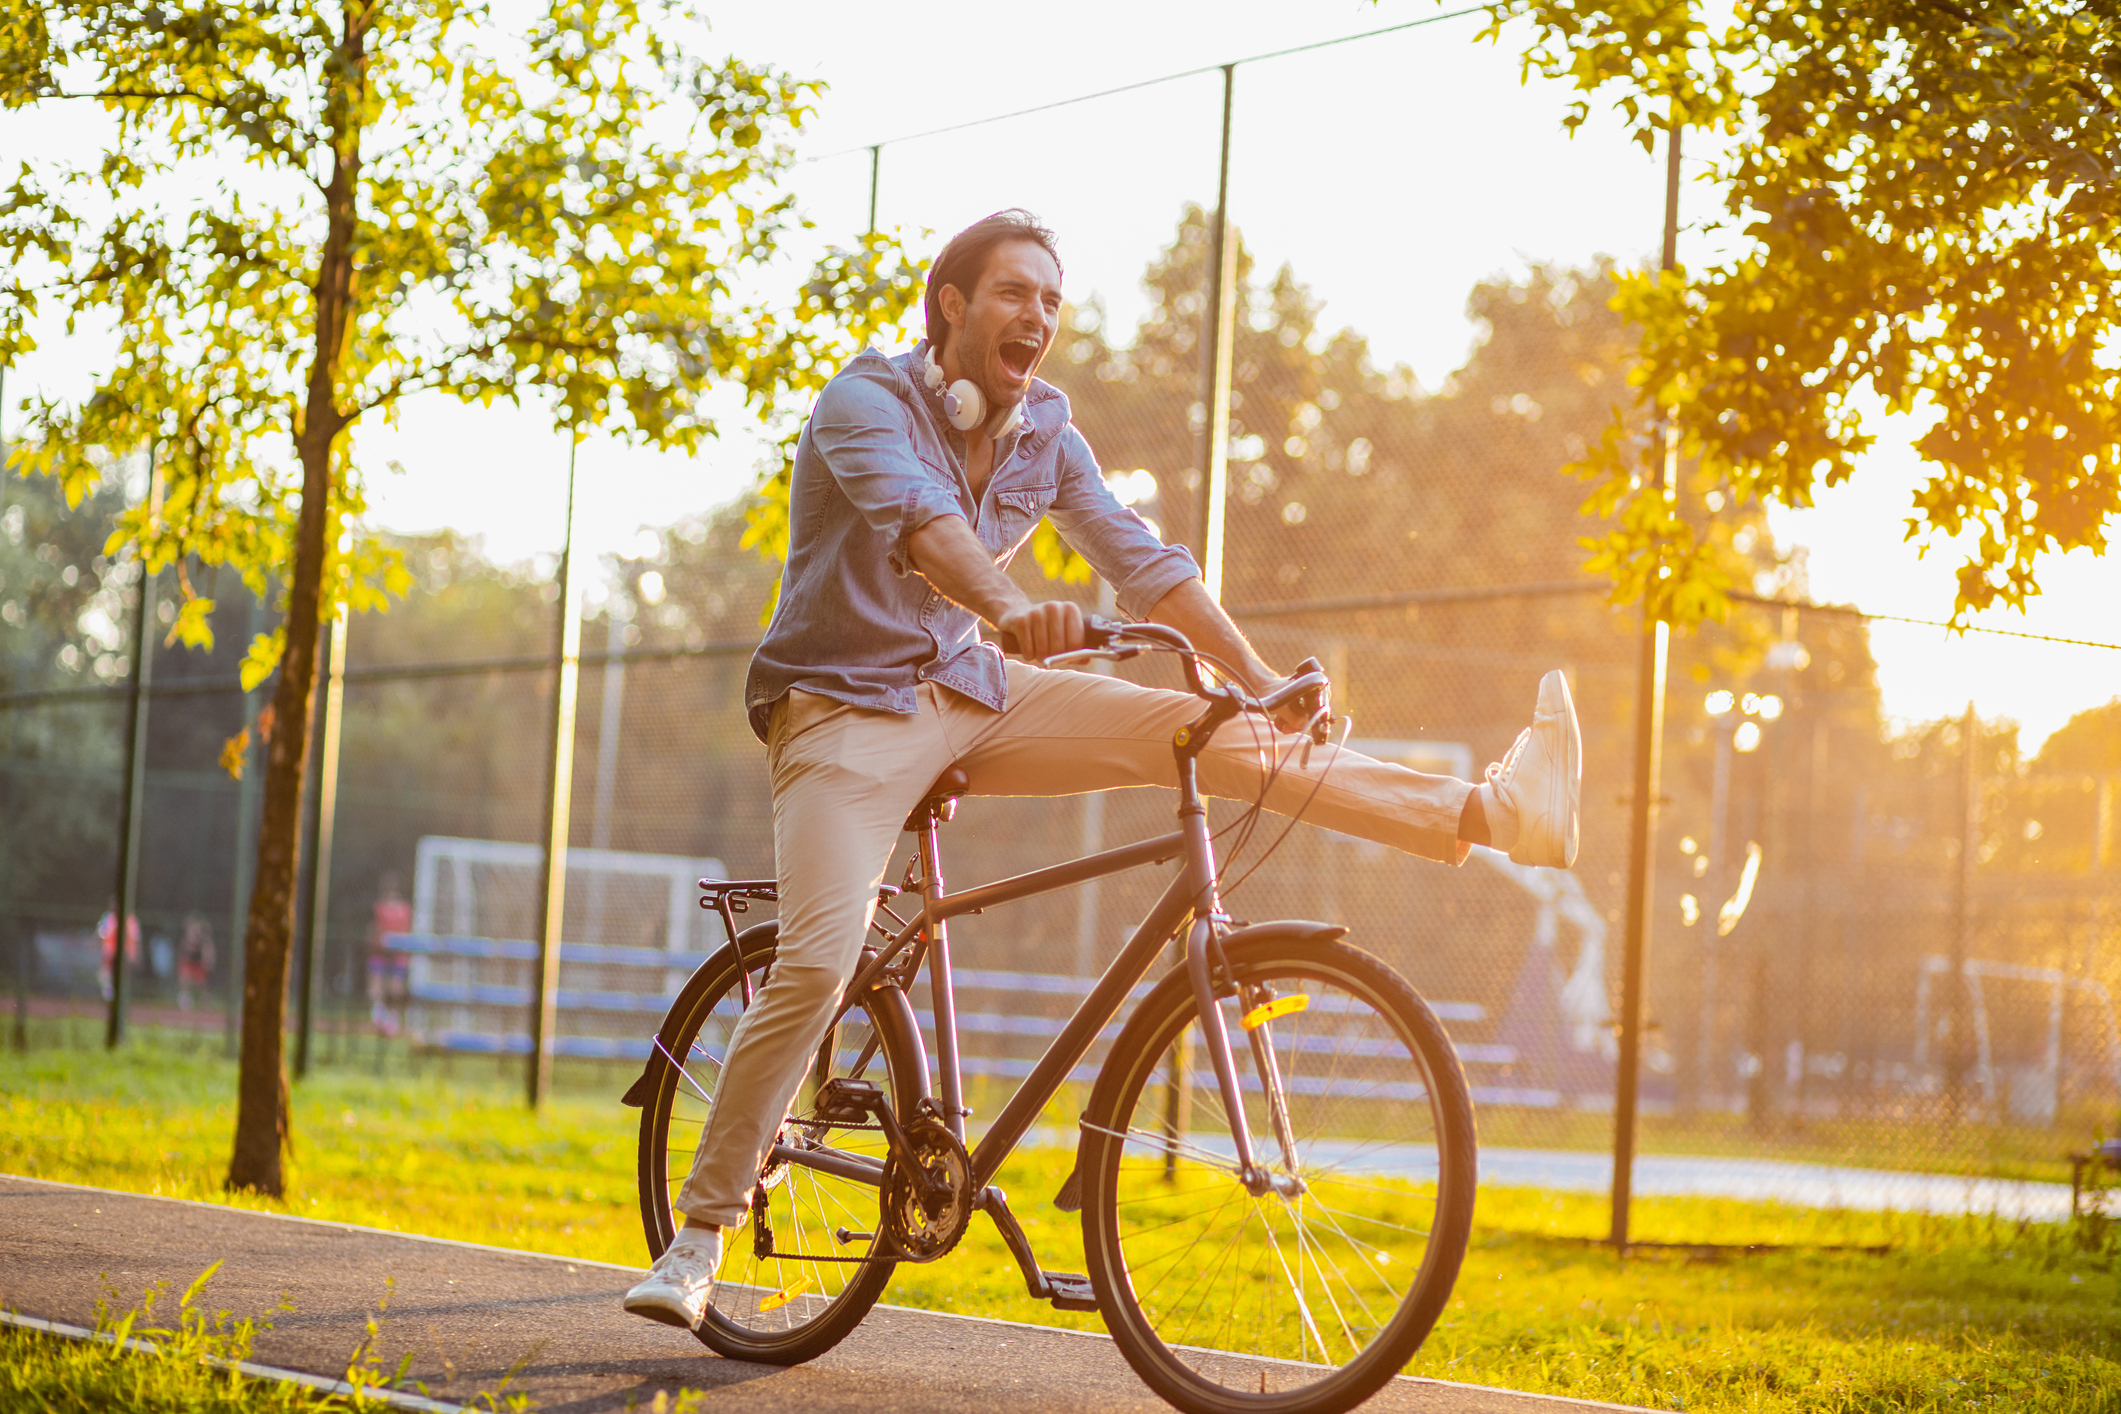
(1642, 807)
(1218, 334)
(1089, 902)
(1707, 1086)
(1957, 1031)
(133, 805)
(876, 165)
(619, 615)
(316, 918)
(559, 780)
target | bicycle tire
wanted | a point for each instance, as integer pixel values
(739, 1323)
(1374, 1085)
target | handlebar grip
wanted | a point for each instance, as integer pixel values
(1097, 633)
(1309, 701)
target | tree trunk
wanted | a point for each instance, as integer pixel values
(262, 1123)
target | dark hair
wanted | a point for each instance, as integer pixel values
(964, 260)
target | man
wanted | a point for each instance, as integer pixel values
(915, 480)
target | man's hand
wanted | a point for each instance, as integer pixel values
(1041, 630)
(1296, 713)
(950, 557)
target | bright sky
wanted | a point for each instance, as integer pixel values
(1394, 173)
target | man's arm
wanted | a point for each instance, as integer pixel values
(949, 556)
(1188, 609)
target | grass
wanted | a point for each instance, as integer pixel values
(1961, 1314)
(137, 1362)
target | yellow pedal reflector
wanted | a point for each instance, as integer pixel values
(785, 1295)
(1281, 1006)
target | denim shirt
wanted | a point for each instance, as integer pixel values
(877, 461)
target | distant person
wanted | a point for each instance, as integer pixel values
(388, 987)
(107, 935)
(916, 480)
(195, 958)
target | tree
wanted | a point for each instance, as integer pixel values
(311, 210)
(1919, 205)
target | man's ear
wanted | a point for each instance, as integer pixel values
(951, 300)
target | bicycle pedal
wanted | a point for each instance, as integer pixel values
(844, 1101)
(1069, 1292)
(1070, 1197)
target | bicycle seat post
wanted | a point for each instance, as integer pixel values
(926, 821)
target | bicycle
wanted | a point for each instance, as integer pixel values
(1287, 1249)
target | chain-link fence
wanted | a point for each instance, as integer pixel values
(1881, 969)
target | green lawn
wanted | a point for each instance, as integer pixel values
(1960, 1315)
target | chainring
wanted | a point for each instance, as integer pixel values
(925, 1213)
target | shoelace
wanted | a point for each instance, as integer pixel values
(1497, 770)
(685, 1265)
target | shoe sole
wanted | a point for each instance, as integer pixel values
(1551, 852)
(662, 1314)
(1571, 772)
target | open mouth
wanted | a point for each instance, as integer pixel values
(1019, 356)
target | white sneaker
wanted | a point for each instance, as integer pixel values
(681, 1283)
(1539, 782)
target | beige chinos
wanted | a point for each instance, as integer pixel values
(846, 777)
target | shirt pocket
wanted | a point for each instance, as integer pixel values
(1020, 508)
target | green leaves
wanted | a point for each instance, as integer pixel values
(581, 213)
(1921, 208)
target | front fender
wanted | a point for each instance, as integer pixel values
(1234, 945)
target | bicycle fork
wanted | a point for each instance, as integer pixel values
(1209, 972)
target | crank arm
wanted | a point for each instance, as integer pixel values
(852, 1167)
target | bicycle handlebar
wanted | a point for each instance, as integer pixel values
(1107, 638)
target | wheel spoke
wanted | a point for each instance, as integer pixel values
(1372, 1122)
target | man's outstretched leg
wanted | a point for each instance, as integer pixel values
(1067, 732)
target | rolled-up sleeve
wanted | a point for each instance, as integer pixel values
(1118, 543)
(860, 429)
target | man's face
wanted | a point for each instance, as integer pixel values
(1001, 334)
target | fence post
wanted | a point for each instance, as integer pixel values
(316, 914)
(1957, 1030)
(559, 782)
(1218, 333)
(1642, 806)
(133, 804)
(876, 172)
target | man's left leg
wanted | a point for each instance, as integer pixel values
(1069, 732)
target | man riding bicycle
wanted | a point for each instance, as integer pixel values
(916, 480)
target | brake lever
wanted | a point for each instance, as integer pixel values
(1318, 727)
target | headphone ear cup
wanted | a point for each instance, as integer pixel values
(964, 406)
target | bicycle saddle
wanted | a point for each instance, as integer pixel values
(940, 803)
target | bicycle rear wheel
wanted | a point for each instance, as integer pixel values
(790, 1305)
(1311, 1295)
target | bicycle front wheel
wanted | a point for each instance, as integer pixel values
(803, 1297)
(1309, 1292)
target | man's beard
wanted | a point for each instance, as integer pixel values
(973, 361)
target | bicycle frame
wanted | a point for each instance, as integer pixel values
(1192, 893)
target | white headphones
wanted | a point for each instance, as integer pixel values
(962, 401)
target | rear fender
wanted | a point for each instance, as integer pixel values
(753, 941)
(897, 1013)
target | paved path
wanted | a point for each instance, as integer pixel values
(468, 1314)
